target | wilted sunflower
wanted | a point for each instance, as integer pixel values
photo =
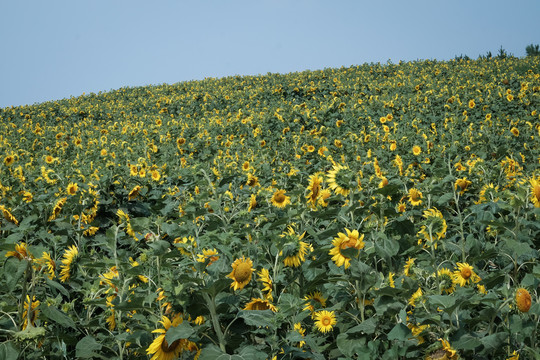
(339, 179)
(279, 199)
(325, 320)
(523, 300)
(69, 257)
(314, 188)
(447, 280)
(464, 273)
(260, 304)
(415, 197)
(8, 215)
(162, 350)
(352, 240)
(241, 273)
(295, 249)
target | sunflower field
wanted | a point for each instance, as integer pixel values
(384, 211)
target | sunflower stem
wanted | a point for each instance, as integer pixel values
(211, 304)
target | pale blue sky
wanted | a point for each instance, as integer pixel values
(56, 49)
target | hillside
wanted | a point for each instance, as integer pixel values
(388, 210)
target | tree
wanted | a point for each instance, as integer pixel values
(532, 50)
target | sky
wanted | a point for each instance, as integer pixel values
(50, 50)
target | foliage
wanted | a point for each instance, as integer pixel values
(372, 211)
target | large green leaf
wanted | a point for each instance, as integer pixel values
(182, 331)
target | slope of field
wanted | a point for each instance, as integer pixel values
(371, 211)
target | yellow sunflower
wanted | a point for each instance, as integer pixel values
(324, 195)
(415, 197)
(241, 273)
(295, 249)
(9, 160)
(155, 175)
(21, 252)
(416, 150)
(69, 257)
(252, 202)
(34, 312)
(523, 300)
(134, 192)
(57, 208)
(415, 297)
(446, 280)
(314, 299)
(72, 188)
(462, 184)
(48, 261)
(351, 240)
(314, 188)
(162, 350)
(260, 304)
(535, 191)
(325, 320)
(264, 277)
(8, 215)
(407, 267)
(252, 180)
(279, 199)
(464, 273)
(339, 179)
(210, 255)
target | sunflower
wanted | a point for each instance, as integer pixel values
(462, 184)
(72, 188)
(245, 166)
(314, 299)
(241, 273)
(260, 304)
(264, 277)
(252, 202)
(415, 197)
(34, 311)
(299, 329)
(9, 160)
(324, 195)
(70, 256)
(8, 215)
(535, 191)
(252, 180)
(464, 273)
(21, 252)
(134, 192)
(324, 320)
(133, 170)
(294, 248)
(514, 131)
(339, 179)
(445, 352)
(352, 240)
(314, 188)
(414, 297)
(208, 255)
(27, 196)
(472, 104)
(513, 356)
(416, 150)
(57, 208)
(407, 267)
(155, 175)
(161, 349)
(48, 261)
(523, 300)
(279, 199)
(446, 280)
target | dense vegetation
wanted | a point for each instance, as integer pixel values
(372, 211)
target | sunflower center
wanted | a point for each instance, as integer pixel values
(242, 272)
(259, 305)
(166, 348)
(326, 321)
(466, 273)
(348, 244)
(414, 196)
(279, 198)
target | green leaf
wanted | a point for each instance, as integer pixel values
(14, 270)
(367, 327)
(466, 342)
(444, 301)
(494, 341)
(349, 347)
(86, 346)
(211, 352)
(445, 198)
(260, 318)
(182, 331)
(8, 351)
(52, 313)
(57, 286)
(399, 332)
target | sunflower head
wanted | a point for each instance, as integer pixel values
(340, 179)
(241, 273)
(523, 300)
(346, 246)
(279, 199)
(325, 320)
(260, 304)
(446, 280)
